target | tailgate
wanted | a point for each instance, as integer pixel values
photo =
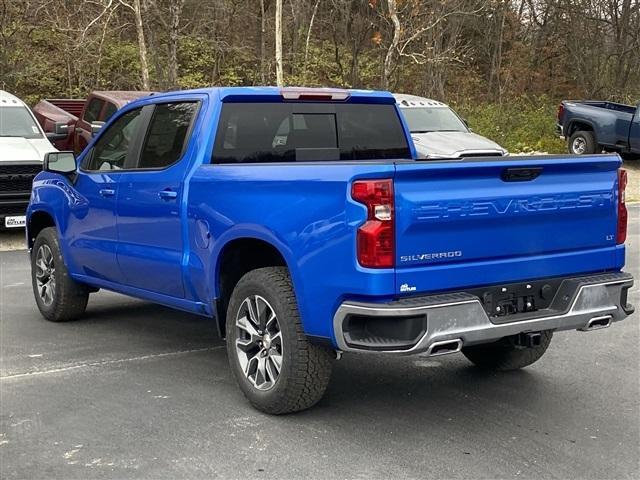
(484, 221)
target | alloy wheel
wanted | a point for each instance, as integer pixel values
(579, 145)
(259, 342)
(45, 275)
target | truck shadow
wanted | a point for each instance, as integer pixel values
(373, 393)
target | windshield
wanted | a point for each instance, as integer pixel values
(18, 122)
(423, 120)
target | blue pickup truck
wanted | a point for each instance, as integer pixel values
(302, 223)
(595, 126)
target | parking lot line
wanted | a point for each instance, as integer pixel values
(104, 363)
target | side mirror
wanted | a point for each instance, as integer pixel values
(60, 132)
(60, 162)
(96, 127)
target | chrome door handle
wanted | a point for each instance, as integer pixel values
(107, 192)
(168, 195)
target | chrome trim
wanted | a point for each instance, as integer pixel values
(467, 320)
(433, 346)
(592, 325)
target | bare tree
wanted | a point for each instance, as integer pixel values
(393, 46)
(142, 46)
(306, 44)
(175, 11)
(279, 72)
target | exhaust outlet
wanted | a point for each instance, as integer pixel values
(597, 323)
(445, 347)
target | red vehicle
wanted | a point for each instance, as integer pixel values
(81, 119)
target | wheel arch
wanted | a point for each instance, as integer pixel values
(38, 221)
(237, 257)
(579, 124)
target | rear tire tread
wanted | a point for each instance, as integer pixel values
(307, 383)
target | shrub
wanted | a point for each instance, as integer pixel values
(523, 125)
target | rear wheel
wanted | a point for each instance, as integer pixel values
(276, 367)
(582, 142)
(58, 296)
(505, 355)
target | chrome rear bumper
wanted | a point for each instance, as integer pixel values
(450, 321)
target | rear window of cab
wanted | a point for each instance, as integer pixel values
(289, 132)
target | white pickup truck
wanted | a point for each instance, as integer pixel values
(23, 145)
(438, 132)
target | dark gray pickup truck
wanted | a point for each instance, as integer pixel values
(595, 126)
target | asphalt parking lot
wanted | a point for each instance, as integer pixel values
(136, 390)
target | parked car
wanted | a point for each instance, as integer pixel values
(439, 132)
(593, 126)
(300, 220)
(82, 118)
(23, 145)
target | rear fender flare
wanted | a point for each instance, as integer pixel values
(257, 232)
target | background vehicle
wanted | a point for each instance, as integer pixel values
(23, 145)
(593, 126)
(300, 220)
(438, 132)
(83, 118)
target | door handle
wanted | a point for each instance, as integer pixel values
(168, 195)
(525, 174)
(107, 192)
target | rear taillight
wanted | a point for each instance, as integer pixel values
(560, 112)
(621, 234)
(376, 238)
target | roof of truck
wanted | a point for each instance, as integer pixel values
(408, 101)
(120, 97)
(8, 100)
(272, 93)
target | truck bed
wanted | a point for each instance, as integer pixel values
(618, 107)
(59, 110)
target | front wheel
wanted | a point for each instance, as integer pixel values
(58, 296)
(276, 367)
(504, 355)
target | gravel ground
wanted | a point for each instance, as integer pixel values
(633, 187)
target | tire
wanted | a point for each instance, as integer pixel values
(58, 296)
(582, 142)
(503, 355)
(305, 368)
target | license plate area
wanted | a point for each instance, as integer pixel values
(503, 302)
(15, 221)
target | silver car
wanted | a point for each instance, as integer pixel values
(438, 132)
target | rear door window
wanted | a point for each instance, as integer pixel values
(93, 110)
(167, 134)
(109, 110)
(287, 132)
